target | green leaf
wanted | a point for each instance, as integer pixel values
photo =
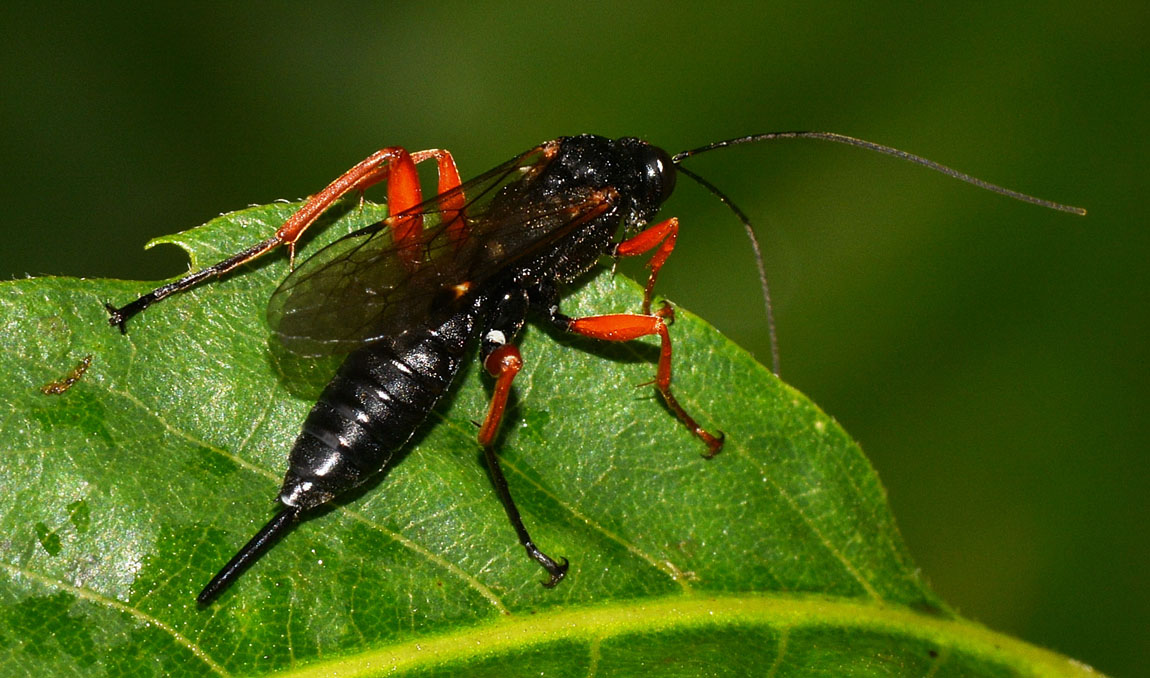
(122, 496)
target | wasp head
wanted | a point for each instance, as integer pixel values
(647, 179)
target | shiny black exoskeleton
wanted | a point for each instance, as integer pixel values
(404, 297)
(384, 390)
(537, 232)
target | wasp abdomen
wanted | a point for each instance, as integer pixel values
(378, 398)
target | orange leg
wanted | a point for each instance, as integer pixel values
(451, 201)
(448, 177)
(397, 167)
(661, 235)
(629, 326)
(393, 164)
(503, 363)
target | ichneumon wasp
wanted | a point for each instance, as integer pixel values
(404, 297)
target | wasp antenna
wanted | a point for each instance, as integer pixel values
(849, 141)
(758, 257)
(885, 150)
(251, 552)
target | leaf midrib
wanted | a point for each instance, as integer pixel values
(592, 624)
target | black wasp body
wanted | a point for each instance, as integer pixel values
(385, 389)
(406, 296)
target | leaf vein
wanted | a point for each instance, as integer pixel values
(99, 599)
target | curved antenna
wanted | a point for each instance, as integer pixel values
(251, 552)
(758, 260)
(849, 141)
(885, 150)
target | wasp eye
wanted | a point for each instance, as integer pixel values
(660, 171)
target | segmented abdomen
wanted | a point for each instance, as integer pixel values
(379, 396)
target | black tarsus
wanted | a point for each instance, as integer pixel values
(554, 569)
(119, 316)
(259, 544)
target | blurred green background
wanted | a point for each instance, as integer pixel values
(991, 357)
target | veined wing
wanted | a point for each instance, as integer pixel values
(367, 286)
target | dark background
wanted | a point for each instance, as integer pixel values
(991, 357)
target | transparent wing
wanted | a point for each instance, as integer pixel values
(366, 286)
